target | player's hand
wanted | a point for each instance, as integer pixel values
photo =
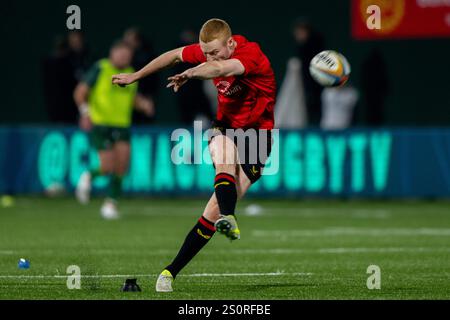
(123, 79)
(178, 80)
(85, 123)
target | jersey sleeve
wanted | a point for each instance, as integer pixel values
(250, 57)
(193, 54)
(90, 77)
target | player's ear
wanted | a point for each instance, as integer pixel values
(230, 42)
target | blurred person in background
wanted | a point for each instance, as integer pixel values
(192, 100)
(375, 87)
(61, 71)
(143, 52)
(58, 83)
(338, 104)
(105, 111)
(290, 110)
(309, 43)
(78, 53)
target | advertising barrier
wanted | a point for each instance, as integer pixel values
(352, 163)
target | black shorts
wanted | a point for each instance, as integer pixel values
(104, 137)
(253, 147)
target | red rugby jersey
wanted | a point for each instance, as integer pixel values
(247, 100)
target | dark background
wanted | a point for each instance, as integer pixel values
(418, 69)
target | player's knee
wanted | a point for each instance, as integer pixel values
(223, 151)
(106, 171)
(121, 170)
(107, 167)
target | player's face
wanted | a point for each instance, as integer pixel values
(217, 50)
(121, 57)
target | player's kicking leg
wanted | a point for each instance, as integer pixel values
(224, 155)
(227, 224)
(197, 238)
(220, 207)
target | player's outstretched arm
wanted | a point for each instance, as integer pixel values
(214, 69)
(207, 70)
(168, 59)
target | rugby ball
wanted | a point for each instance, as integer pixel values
(330, 68)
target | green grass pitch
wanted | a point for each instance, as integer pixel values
(308, 249)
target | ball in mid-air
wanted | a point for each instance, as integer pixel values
(330, 68)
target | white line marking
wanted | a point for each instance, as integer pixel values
(248, 274)
(336, 250)
(343, 231)
(101, 252)
(381, 250)
(278, 273)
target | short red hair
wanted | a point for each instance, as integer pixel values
(215, 29)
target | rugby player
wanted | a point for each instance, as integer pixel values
(106, 112)
(246, 89)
